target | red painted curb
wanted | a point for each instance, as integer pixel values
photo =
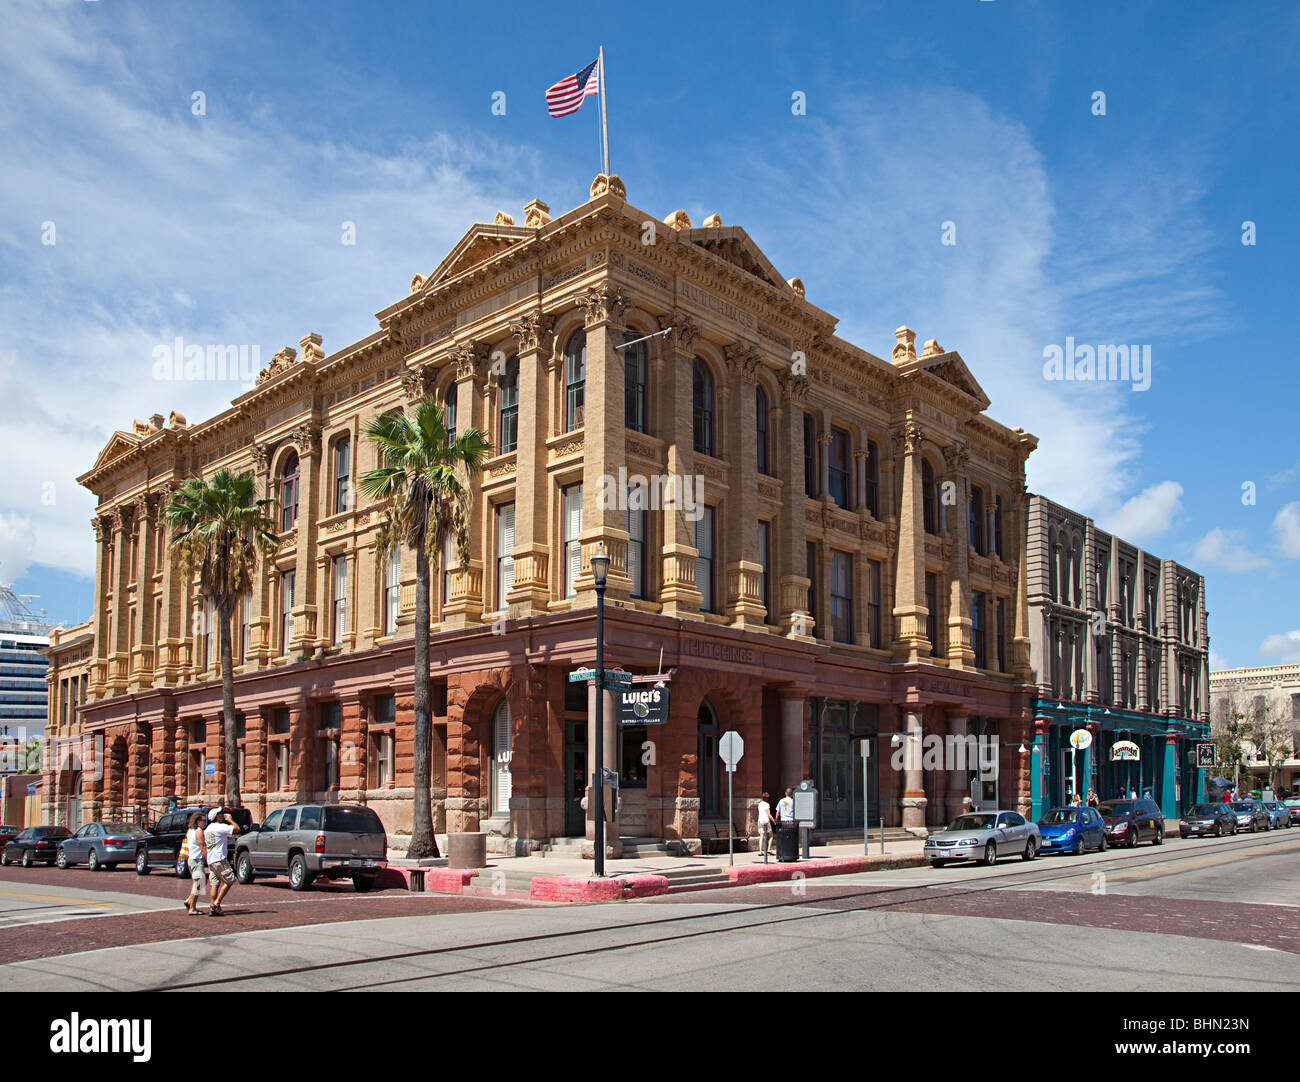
(436, 880)
(555, 888)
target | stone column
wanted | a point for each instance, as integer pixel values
(789, 554)
(744, 600)
(961, 652)
(958, 796)
(306, 438)
(162, 782)
(464, 606)
(613, 843)
(463, 766)
(910, 610)
(794, 741)
(914, 799)
(103, 526)
(142, 654)
(531, 591)
(353, 748)
(678, 593)
(120, 647)
(170, 635)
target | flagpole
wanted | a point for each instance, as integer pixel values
(604, 120)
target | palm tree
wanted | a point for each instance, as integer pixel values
(219, 528)
(425, 486)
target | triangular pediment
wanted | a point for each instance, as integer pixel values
(118, 445)
(480, 244)
(735, 246)
(950, 368)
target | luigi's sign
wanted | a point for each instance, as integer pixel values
(643, 704)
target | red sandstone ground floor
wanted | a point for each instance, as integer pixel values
(512, 754)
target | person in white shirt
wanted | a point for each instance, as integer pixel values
(785, 807)
(765, 825)
(195, 853)
(221, 829)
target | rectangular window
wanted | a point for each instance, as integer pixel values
(874, 628)
(636, 550)
(810, 557)
(383, 722)
(575, 388)
(1002, 635)
(286, 610)
(809, 455)
(977, 639)
(340, 598)
(342, 474)
(842, 596)
(279, 746)
(509, 392)
(246, 624)
(997, 526)
(975, 521)
(331, 726)
(932, 611)
(449, 563)
(873, 480)
(571, 549)
(209, 634)
(765, 561)
(449, 414)
(634, 385)
(505, 545)
(393, 590)
(704, 561)
(839, 467)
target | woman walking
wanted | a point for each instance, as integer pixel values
(195, 851)
(765, 825)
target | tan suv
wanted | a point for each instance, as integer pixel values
(304, 841)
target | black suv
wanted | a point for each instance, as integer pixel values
(162, 847)
(1132, 820)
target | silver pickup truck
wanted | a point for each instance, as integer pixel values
(305, 841)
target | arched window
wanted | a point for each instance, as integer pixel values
(760, 428)
(342, 473)
(634, 387)
(709, 759)
(575, 380)
(502, 745)
(702, 395)
(509, 399)
(975, 521)
(289, 493)
(929, 510)
(449, 413)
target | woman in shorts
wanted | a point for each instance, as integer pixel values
(196, 859)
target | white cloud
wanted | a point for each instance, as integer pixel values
(1286, 529)
(1217, 661)
(1284, 648)
(1147, 515)
(17, 546)
(1227, 549)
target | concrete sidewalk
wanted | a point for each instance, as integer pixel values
(553, 877)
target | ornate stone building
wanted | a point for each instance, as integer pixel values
(66, 758)
(1119, 644)
(1267, 695)
(825, 545)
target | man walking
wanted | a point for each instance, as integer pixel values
(221, 828)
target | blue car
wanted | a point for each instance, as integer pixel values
(1072, 830)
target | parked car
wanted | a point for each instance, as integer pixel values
(101, 845)
(1072, 830)
(1131, 821)
(33, 844)
(161, 845)
(983, 836)
(1251, 815)
(8, 833)
(1279, 815)
(1293, 806)
(1217, 819)
(309, 840)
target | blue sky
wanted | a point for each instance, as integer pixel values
(1122, 228)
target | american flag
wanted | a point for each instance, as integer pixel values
(566, 96)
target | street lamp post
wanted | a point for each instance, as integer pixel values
(599, 573)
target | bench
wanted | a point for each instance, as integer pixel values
(713, 838)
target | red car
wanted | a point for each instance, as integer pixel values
(7, 834)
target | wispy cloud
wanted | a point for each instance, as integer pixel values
(1147, 515)
(1228, 550)
(1286, 529)
(1283, 649)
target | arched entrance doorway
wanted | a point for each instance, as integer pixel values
(709, 762)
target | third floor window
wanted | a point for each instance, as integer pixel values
(509, 392)
(289, 493)
(702, 397)
(575, 380)
(634, 387)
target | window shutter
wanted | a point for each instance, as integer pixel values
(501, 748)
(573, 528)
(636, 536)
(505, 545)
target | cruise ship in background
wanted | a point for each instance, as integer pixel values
(24, 636)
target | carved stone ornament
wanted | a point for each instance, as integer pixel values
(417, 283)
(503, 218)
(957, 457)
(797, 285)
(531, 329)
(795, 388)
(678, 219)
(306, 438)
(931, 349)
(261, 455)
(416, 385)
(280, 362)
(536, 214)
(683, 329)
(602, 304)
(469, 358)
(310, 344)
(608, 185)
(743, 360)
(905, 350)
(910, 437)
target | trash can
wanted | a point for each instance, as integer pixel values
(787, 841)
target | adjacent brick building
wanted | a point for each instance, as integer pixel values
(832, 549)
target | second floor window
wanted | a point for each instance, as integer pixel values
(634, 387)
(505, 545)
(702, 399)
(810, 562)
(342, 474)
(873, 479)
(286, 610)
(760, 430)
(765, 562)
(449, 413)
(975, 521)
(289, 493)
(932, 611)
(509, 391)
(393, 590)
(839, 467)
(930, 511)
(449, 564)
(874, 628)
(246, 623)
(636, 550)
(997, 526)
(571, 549)
(809, 455)
(340, 578)
(977, 637)
(842, 596)
(575, 380)
(1002, 635)
(704, 561)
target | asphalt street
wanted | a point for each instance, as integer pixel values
(1217, 914)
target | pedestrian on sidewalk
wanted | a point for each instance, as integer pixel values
(764, 825)
(1093, 802)
(221, 828)
(785, 807)
(195, 854)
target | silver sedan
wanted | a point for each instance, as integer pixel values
(984, 836)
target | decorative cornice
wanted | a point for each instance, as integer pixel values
(682, 330)
(531, 329)
(601, 304)
(306, 438)
(743, 360)
(281, 362)
(469, 358)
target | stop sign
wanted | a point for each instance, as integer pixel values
(731, 747)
